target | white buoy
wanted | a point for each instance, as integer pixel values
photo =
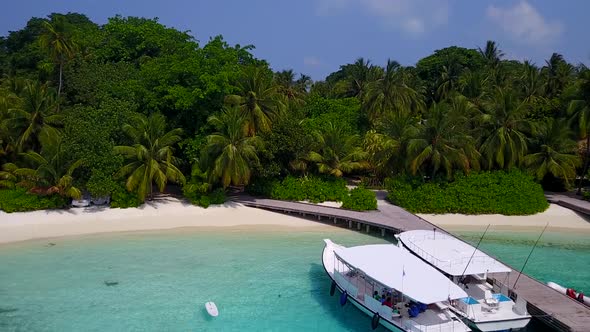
(563, 290)
(212, 309)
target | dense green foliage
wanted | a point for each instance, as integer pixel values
(316, 190)
(85, 106)
(509, 193)
(312, 189)
(360, 199)
(18, 200)
(121, 198)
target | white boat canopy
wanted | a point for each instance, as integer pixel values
(397, 268)
(450, 254)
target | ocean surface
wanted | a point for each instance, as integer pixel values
(563, 258)
(160, 281)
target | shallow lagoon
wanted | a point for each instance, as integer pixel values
(261, 281)
(559, 257)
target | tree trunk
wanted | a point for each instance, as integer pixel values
(61, 65)
(585, 168)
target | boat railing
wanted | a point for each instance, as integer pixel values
(479, 259)
(425, 255)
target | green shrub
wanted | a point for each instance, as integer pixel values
(313, 189)
(123, 199)
(586, 195)
(360, 199)
(18, 200)
(199, 194)
(262, 187)
(508, 193)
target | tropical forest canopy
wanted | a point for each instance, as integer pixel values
(125, 108)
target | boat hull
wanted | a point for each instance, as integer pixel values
(505, 325)
(329, 267)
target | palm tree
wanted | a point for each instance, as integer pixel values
(474, 85)
(51, 172)
(530, 83)
(6, 139)
(505, 142)
(442, 143)
(401, 127)
(37, 115)
(579, 109)
(304, 83)
(259, 99)
(447, 83)
(491, 53)
(8, 177)
(557, 74)
(151, 156)
(392, 92)
(337, 152)
(230, 152)
(57, 40)
(360, 74)
(379, 149)
(294, 91)
(556, 154)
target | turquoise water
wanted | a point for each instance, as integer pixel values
(261, 281)
(563, 258)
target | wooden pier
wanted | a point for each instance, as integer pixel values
(572, 203)
(547, 305)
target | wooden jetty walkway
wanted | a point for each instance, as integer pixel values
(572, 203)
(549, 306)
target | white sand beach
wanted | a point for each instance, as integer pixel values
(166, 213)
(559, 219)
(171, 213)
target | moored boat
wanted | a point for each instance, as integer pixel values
(487, 307)
(392, 286)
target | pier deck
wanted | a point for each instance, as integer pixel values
(569, 202)
(551, 307)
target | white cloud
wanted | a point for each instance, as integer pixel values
(414, 17)
(523, 22)
(311, 61)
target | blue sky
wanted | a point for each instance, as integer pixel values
(317, 36)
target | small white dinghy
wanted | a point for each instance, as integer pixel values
(212, 309)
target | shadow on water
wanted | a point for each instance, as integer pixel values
(349, 317)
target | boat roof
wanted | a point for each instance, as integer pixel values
(450, 254)
(397, 268)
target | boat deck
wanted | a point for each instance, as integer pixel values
(551, 307)
(433, 319)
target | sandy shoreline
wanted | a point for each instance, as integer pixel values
(560, 219)
(171, 213)
(162, 215)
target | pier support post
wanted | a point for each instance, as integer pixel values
(319, 217)
(358, 226)
(367, 228)
(350, 224)
(382, 232)
(335, 220)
